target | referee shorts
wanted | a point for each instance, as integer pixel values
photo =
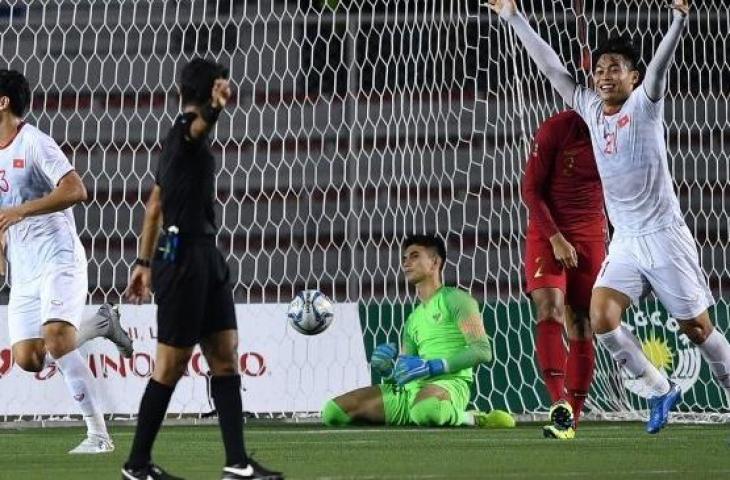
(193, 293)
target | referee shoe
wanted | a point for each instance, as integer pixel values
(148, 472)
(252, 471)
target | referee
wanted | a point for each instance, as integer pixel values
(190, 278)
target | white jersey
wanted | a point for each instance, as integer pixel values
(631, 156)
(31, 167)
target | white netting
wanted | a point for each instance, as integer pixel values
(353, 124)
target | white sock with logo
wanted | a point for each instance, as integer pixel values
(80, 383)
(716, 351)
(626, 350)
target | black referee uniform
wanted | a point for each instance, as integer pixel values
(190, 277)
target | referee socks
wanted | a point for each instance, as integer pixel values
(152, 411)
(226, 393)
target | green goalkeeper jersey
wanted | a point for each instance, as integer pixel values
(432, 329)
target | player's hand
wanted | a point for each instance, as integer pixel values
(10, 216)
(140, 282)
(221, 93)
(681, 6)
(409, 368)
(383, 358)
(564, 252)
(503, 8)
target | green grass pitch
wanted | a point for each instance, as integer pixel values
(600, 451)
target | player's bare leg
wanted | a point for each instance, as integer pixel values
(61, 343)
(712, 344)
(221, 353)
(363, 405)
(607, 307)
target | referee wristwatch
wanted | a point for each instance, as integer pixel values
(141, 262)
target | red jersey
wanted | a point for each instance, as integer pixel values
(561, 186)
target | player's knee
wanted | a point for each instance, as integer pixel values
(333, 415)
(550, 311)
(695, 331)
(427, 413)
(29, 363)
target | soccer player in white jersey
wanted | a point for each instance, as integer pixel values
(47, 263)
(652, 248)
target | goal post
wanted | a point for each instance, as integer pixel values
(352, 125)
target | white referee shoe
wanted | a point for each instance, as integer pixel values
(94, 444)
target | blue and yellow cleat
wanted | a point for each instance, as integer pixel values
(660, 408)
(550, 431)
(561, 417)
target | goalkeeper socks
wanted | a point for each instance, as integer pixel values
(551, 356)
(433, 412)
(79, 381)
(716, 351)
(333, 415)
(226, 393)
(152, 411)
(626, 351)
(579, 375)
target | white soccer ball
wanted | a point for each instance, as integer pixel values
(311, 312)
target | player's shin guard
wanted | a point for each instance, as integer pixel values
(551, 356)
(581, 362)
(625, 349)
(226, 392)
(433, 412)
(333, 415)
(79, 381)
(716, 351)
(152, 411)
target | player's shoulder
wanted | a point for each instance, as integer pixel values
(33, 136)
(455, 295)
(562, 121)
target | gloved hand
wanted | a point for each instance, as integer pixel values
(409, 368)
(383, 358)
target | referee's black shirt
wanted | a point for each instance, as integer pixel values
(186, 176)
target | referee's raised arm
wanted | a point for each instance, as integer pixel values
(208, 113)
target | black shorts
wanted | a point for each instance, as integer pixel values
(194, 294)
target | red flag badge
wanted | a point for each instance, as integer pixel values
(19, 163)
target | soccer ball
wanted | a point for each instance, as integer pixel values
(311, 312)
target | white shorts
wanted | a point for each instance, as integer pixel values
(665, 262)
(59, 293)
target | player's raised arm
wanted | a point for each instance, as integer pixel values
(655, 82)
(208, 114)
(541, 53)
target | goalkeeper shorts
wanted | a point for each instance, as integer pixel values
(397, 400)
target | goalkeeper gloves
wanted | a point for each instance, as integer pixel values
(383, 358)
(409, 368)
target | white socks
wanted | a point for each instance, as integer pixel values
(716, 351)
(626, 350)
(79, 382)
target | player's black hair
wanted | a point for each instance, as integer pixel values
(622, 45)
(428, 241)
(14, 85)
(197, 78)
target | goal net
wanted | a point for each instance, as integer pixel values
(352, 125)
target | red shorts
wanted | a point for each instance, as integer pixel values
(543, 271)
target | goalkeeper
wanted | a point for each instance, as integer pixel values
(444, 338)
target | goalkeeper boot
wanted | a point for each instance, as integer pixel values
(561, 417)
(252, 471)
(148, 472)
(94, 444)
(660, 408)
(493, 419)
(106, 324)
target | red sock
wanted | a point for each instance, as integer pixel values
(551, 356)
(581, 361)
